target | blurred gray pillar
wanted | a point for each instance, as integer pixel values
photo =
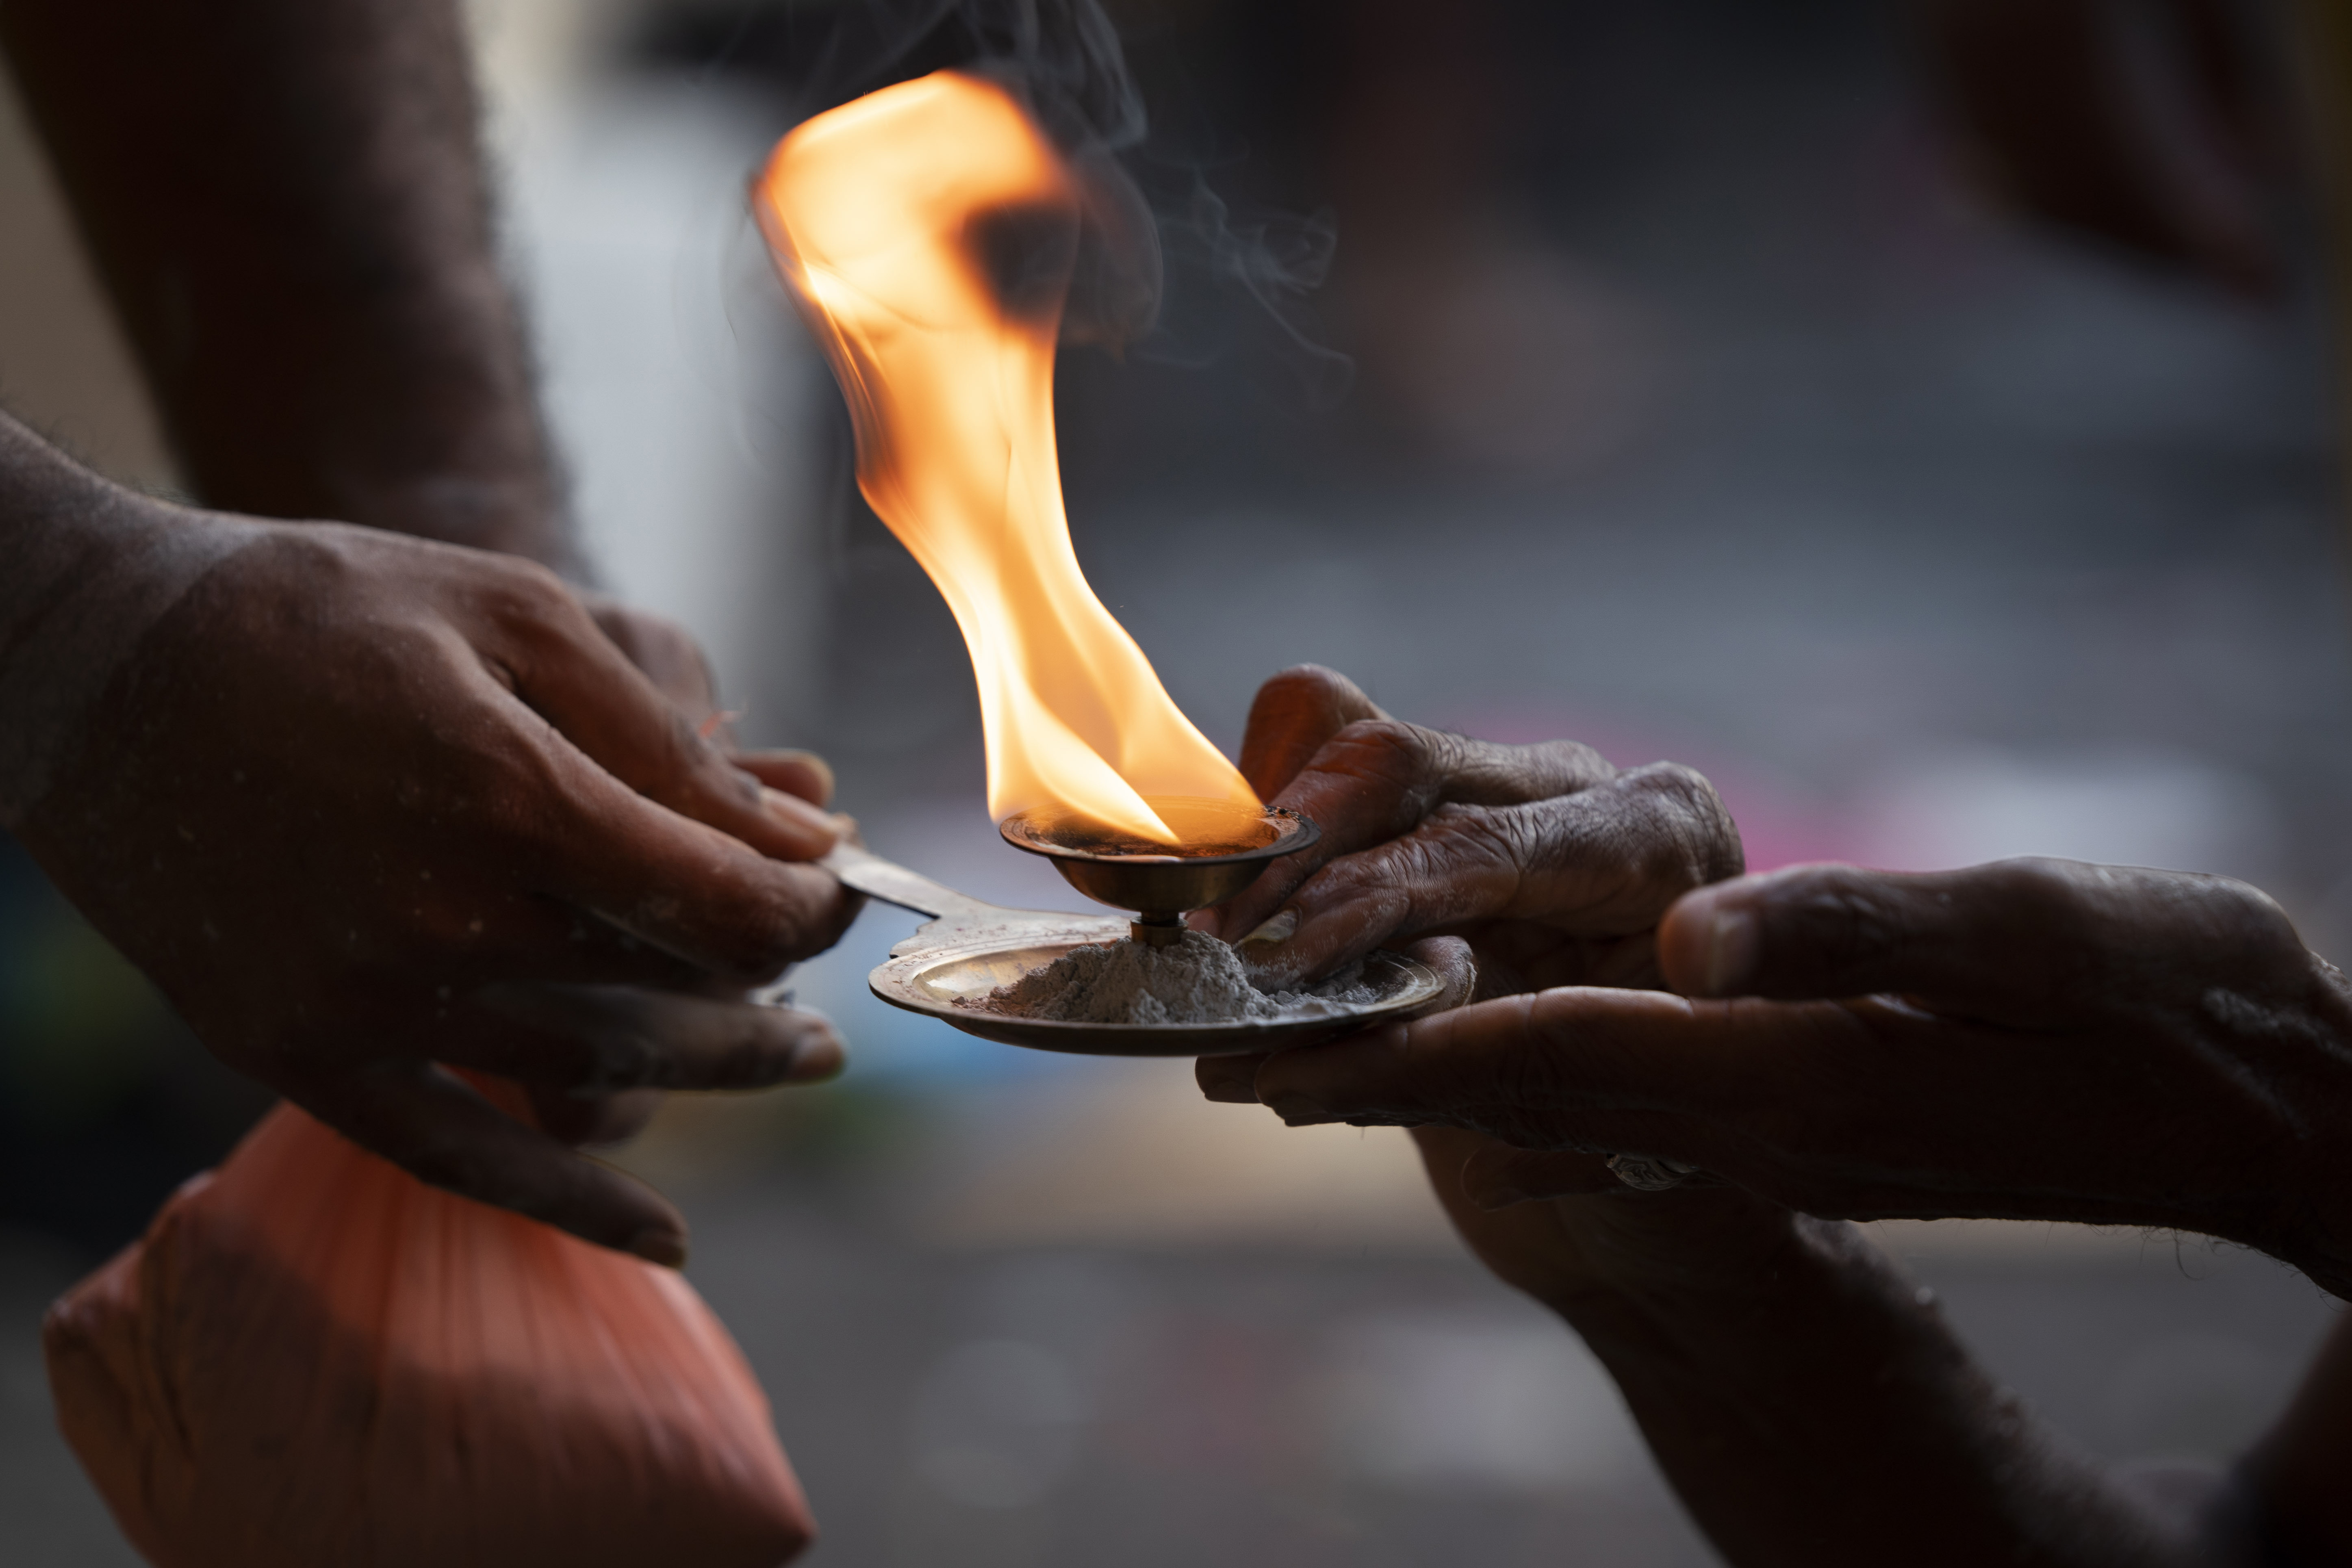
(676, 378)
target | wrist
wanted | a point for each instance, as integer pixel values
(1712, 1311)
(2317, 1236)
(91, 567)
(1652, 1257)
(2302, 1207)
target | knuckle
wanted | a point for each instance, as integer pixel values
(527, 598)
(1483, 773)
(624, 1060)
(1388, 749)
(2037, 885)
(1558, 767)
(681, 763)
(2069, 914)
(1475, 855)
(780, 923)
(1302, 686)
(1366, 888)
(1374, 779)
(1845, 918)
(627, 1051)
(1691, 838)
(758, 952)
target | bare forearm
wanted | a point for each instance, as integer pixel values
(287, 200)
(1820, 1413)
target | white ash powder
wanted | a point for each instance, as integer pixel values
(1198, 980)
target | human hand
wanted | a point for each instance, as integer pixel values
(359, 805)
(2032, 1039)
(1594, 1246)
(668, 655)
(1552, 864)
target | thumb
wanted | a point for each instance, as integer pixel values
(1294, 714)
(1497, 1175)
(1984, 936)
(581, 683)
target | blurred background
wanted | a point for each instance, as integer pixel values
(1697, 379)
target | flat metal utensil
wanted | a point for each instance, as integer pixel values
(969, 947)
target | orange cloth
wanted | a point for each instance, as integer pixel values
(312, 1358)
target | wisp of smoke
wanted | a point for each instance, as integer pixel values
(1065, 57)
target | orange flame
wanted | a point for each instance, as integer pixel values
(882, 215)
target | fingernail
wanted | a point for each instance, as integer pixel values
(1229, 1087)
(818, 1061)
(657, 1245)
(1278, 928)
(1298, 1110)
(821, 769)
(792, 812)
(1731, 941)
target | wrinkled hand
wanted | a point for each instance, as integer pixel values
(360, 805)
(2033, 1039)
(1552, 864)
(1556, 868)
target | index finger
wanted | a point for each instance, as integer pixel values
(686, 887)
(1577, 1067)
(573, 676)
(1377, 780)
(1294, 713)
(1598, 866)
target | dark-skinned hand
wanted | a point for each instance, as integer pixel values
(667, 654)
(2032, 1039)
(360, 805)
(1554, 865)
(1551, 865)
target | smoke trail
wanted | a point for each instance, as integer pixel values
(1065, 57)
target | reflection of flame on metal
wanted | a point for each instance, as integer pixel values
(1202, 827)
(1222, 848)
(929, 231)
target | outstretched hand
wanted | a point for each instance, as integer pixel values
(362, 805)
(1555, 869)
(2033, 1039)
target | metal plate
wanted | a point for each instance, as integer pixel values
(931, 980)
